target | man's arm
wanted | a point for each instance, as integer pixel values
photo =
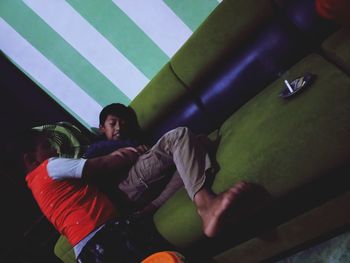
(112, 163)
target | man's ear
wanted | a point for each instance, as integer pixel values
(102, 129)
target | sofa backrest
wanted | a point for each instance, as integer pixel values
(239, 49)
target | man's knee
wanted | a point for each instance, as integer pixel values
(181, 132)
(177, 135)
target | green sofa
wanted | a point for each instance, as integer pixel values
(296, 149)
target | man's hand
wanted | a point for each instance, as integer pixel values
(141, 149)
(130, 153)
(114, 162)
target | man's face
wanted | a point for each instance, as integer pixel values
(114, 128)
(44, 149)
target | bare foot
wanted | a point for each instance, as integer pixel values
(213, 208)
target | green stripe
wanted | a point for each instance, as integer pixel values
(123, 33)
(193, 12)
(59, 52)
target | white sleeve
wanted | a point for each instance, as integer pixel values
(63, 168)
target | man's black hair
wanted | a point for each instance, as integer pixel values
(126, 113)
(30, 139)
(116, 109)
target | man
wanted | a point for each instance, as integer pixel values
(119, 128)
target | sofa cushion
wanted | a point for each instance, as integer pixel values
(158, 97)
(228, 28)
(336, 48)
(247, 45)
(277, 143)
(186, 113)
(64, 250)
(244, 74)
(283, 144)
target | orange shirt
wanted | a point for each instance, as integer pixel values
(72, 206)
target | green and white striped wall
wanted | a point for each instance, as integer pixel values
(89, 53)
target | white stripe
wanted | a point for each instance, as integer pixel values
(158, 21)
(48, 75)
(91, 44)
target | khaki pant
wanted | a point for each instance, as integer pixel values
(178, 147)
